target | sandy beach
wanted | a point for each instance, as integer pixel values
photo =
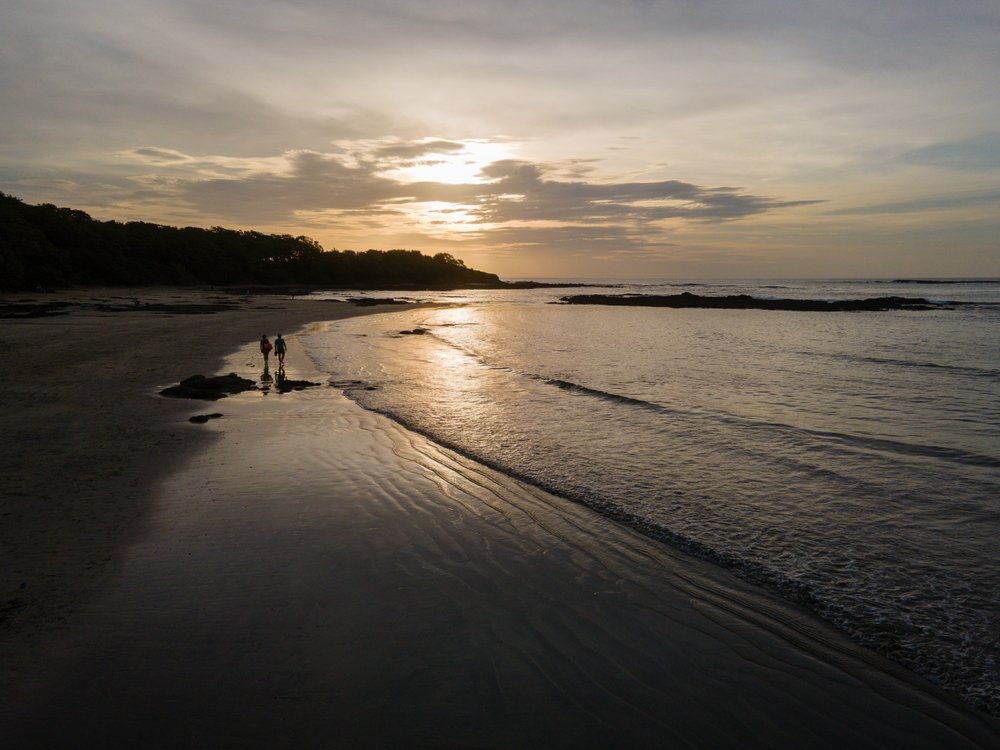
(85, 436)
(304, 573)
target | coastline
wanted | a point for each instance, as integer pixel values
(368, 586)
(86, 437)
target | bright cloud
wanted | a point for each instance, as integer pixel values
(375, 187)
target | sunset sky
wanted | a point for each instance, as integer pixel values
(592, 138)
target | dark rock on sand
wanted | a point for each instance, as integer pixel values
(34, 309)
(746, 302)
(202, 418)
(414, 332)
(284, 385)
(173, 309)
(209, 389)
(372, 301)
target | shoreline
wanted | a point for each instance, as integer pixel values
(395, 579)
(88, 435)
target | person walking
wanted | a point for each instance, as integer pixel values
(279, 349)
(265, 348)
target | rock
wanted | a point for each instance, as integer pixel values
(746, 302)
(34, 310)
(174, 309)
(284, 385)
(372, 301)
(209, 389)
(414, 332)
(202, 418)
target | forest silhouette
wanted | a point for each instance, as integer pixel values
(45, 246)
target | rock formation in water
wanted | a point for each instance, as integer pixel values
(746, 302)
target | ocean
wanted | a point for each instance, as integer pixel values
(847, 461)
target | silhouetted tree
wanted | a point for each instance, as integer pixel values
(50, 246)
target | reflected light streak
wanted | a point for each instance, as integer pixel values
(454, 374)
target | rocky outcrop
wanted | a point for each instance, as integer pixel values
(284, 385)
(746, 302)
(372, 301)
(34, 309)
(209, 389)
(202, 418)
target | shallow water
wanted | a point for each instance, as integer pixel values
(850, 461)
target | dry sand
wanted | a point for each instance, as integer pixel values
(302, 573)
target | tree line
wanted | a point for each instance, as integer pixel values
(46, 246)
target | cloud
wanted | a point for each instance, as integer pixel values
(978, 153)
(355, 118)
(162, 156)
(520, 203)
(306, 181)
(924, 205)
(416, 150)
(520, 193)
(594, 242)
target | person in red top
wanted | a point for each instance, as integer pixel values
(265, 348)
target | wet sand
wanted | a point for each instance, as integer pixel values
(304, 573)
(85, 436)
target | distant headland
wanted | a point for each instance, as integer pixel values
(45, 246)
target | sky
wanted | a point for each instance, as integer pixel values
(550, 138)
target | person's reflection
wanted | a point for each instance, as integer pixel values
(266, 379)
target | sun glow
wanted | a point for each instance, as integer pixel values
(443, 220)
(454, 167)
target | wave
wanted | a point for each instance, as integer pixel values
(708, 285)
(797, 434)
(967, 370)
(977, 372)
(938, 281)
(604, 395)
(953, 455)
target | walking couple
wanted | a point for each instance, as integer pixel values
(278, 346)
